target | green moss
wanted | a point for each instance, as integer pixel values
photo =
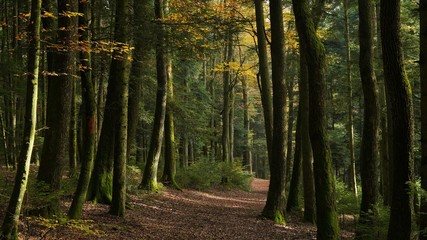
(278, 218)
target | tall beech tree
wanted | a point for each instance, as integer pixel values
(58, 107)
(9, 229)
(327, 219)
(423, 78)
(399, 95)
(120, 69)
(90, 117)
(369, 148)
(276, 198)
(264, 81)
(149, 177)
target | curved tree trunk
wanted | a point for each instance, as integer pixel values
(149, 178)
(9, 228)
(327, 220)
(89, 133)
(398, 90)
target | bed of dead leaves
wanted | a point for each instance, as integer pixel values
(173, 214)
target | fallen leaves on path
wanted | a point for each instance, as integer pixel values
(187, 214)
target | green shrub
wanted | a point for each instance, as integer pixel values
(347, 202)
(207, 174)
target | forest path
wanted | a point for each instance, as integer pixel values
(189, 214)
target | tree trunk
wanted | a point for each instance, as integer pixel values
(276, 197)
(423, 79)
(307, 153)
(90, 127)
(398, 92)
(264, 77)
(352, 168)
(228, 55)
(290, 137)
(293, 198)
(169, 169)
(149, 178)
(327, 221)
(56, 141)
(9, 229)
(369, 148)
(247, 161)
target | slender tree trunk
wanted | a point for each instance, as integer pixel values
(73, 133)
(169, 169)
(56, 141)
(307, 153)
(264, 77)
(293, 198)
(290, 137)
(276, 197)
(369, 149)
(149, 178)
(90, 127)
(398, 92)
(228, 55)
(423, 79)
(120, 65)
(352, 168)
(9, 229)
(247, 161)
(327, 221)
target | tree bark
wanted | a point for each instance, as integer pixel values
(399, 93)
(369, 148)
(327, 221)
(352, 168)
(89, 101)
(149, 178)
(264, 77)
(423, 79)
(9, 229)
(276, 198)
(56, 141)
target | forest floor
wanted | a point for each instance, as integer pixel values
(173, 214)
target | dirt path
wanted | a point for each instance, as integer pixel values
(187, 215)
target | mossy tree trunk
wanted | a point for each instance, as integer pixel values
(369, 148)
(142, 53)
(60, 86)
(306, 150)
(149, 178)
(263, 75)
(9, 229)
(423, 79)
(399, 93)
(169, 169)
(120, 69)
(89, 101)
(327, 219)
(276, 197)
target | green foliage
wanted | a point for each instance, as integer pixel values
(207, 174)
(51, 225)
(347, 202)
(377, 229)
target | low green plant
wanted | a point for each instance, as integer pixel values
(206, 174)
(347, 201)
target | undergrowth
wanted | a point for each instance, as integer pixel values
(206, 174)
